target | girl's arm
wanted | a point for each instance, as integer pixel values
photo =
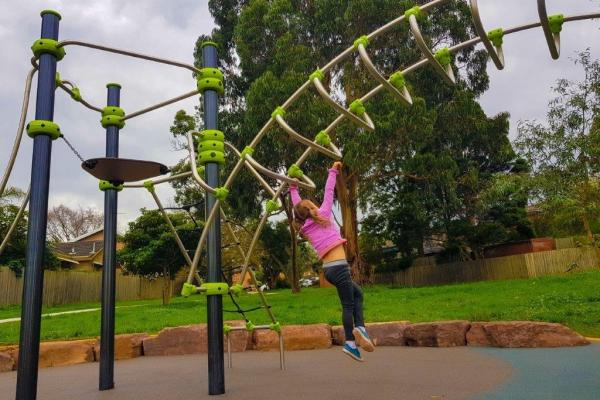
(295, 195)
(325, 209)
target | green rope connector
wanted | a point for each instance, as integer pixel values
(443, 56)
(215, 84)
(236, 290)
(188, 289)
(214, 288)
(221, 193)
(496, 36)
(200, 170)
(250, 326)
(212, 134)
(106, 185)
(278, 111)
(43, 127)
(149, 185)
(47, 46)
(76, 94)
(317, 74)
(212, 73)
(276, 326)
(57, 80)
(416, 11)
(294, 171)
(272, 206)
(323, 139)
(398, 80)
(364, 40)
(226, 329)
(113, 116)
(556, 23)
(357, 107)
(247, 151)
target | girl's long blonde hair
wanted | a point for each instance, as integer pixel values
(304, 210)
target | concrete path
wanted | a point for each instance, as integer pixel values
(85, 310)
(389, 373)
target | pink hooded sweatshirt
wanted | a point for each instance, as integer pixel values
(323, 238)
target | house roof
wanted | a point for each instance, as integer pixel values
(80, 249)
(82, 237)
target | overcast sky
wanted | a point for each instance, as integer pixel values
(169, 30)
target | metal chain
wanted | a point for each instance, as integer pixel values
(72, 148)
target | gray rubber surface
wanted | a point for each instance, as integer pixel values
(548, 374)
(389, 373)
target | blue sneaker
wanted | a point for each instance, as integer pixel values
(363, 339)
(352, 352)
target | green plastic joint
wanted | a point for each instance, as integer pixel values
(188, 289)
(278, 111)
(272, 206)
(247, 151)
(51, 12)
(357, 107)
(215, 288)
(250, 326)
(556, 23)
(209, 43)
(398, 80)
(221, 193)
(200, 170)
(106, 185)
(149, 185)
(323, 139)
(211, 147)
(113, 84)
(317, 74)
(57, 80)
(276, 326)
(294, 171)
(47, 46)
(226, 329)
(76, 94)
(496, 36)
(43, 127)
(210, 79)
(416, 11)
(236, 290)
(113, 116)
(364, 40)
(443, 56)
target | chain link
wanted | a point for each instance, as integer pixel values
(72, 148)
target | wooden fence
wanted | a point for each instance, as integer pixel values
(520, 266)
(65, 287)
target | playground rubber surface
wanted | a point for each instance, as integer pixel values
(388, 373)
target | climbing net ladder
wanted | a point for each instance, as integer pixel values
(209, 147)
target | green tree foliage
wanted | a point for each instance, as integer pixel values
(564, 154)
(150, 248)
(14, 253)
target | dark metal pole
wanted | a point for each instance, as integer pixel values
(33, 280)
(107, 329)
(216, 364)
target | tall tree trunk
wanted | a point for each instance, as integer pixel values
(347, 190)
(166, 292)
(587, 227)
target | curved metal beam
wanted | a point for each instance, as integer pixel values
(496, 53)
(553, 39)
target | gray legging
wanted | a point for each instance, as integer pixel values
(350, 295)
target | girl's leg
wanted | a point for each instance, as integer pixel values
(340, 277)
(358, 305)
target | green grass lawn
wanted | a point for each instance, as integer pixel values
(573, 300)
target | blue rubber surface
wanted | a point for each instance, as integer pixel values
(545, 374)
